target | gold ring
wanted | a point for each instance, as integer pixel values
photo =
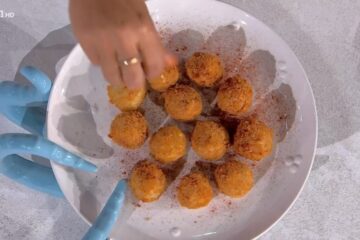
(130, 61)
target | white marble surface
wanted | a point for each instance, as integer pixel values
(325, 35)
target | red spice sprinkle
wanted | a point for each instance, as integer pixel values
(233, 64)
(213, 209)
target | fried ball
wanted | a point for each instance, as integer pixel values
(233, 178)
(204, 69)
(129, 129)
(253, 139)
(194, 191)
(147, 181)
(168, 78)
(126, 99)
(235, 96)
(168, 144)
(209, 140)
(183, 103)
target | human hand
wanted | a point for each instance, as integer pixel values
(114, 32)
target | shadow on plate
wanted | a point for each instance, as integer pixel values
(275, 105)
(79, 129)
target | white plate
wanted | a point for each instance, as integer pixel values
(79, 117)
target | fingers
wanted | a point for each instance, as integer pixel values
(90, 48)
(170, 59)
(117, 31)
(132, 74)
(123, 48)
(152, 53)
(109, 65)
(91, 53)
(113, 52)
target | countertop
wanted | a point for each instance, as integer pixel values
(325, 35)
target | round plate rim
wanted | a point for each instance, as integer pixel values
(74, 51)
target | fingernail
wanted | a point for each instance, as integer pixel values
(171, 60)
(118, 84)
(134, 85)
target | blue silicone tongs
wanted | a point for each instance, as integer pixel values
(25, 106)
